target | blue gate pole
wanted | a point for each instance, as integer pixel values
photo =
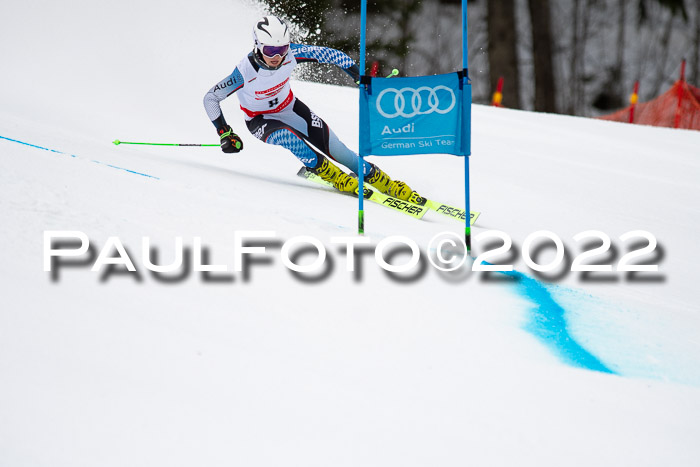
(465, 66)
(361, 166)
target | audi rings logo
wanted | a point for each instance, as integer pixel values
(441, 104)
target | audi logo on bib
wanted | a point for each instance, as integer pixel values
(420, 101)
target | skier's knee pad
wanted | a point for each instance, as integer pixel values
(287, 139)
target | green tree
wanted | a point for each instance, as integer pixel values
(390, 30)
(503, 59)
(542, 51)
(676, 9)
(308, 17)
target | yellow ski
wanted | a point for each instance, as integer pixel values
(396, 204)
(446, 210)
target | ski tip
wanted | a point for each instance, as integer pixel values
(117, 142)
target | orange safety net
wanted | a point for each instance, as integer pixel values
(679, 107)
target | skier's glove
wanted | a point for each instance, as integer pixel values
(230, 141)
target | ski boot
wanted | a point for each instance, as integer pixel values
(330, 172)
(398, 189)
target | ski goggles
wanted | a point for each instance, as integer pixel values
(271, 50)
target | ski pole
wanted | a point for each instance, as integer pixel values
(393, 73)
(117, 142)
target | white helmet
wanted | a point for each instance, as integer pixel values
(271, 36)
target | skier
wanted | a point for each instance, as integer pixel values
(275, 116)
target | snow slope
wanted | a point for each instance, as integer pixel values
(100, 368)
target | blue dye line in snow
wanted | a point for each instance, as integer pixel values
(548, 324)
(547, 321)
(73, 155)
(35, 146)
(125, 170)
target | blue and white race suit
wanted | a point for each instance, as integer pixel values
(274, 115)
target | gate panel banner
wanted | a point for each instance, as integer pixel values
(415, 115)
